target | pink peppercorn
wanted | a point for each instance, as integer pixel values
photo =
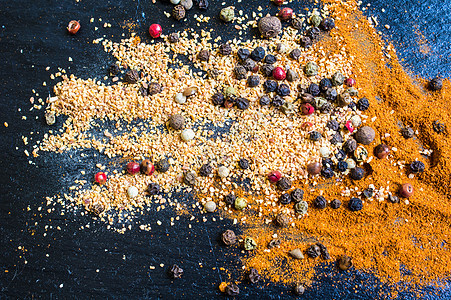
(307, 125)
(307, 109)
(278, 73)
(285, 13)
(100, 178)
(349, 126)
(274, 176)
(133, 168)
(155, 30)
(350, 81)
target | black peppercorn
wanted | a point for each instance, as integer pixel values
(243, 163)
(270, 59)
(253, 276)
(368, 193)
(285, 199)
(284, 184)
(331, 94)
(363, 104)
(162, 165)
(323, 250)
(417, 167)
(176, 272)
(228, 237)
(265, 100)
(342, 166)
(274, 243)
(335, 204)
(249, 64)
(154, 88)
(203, 4)
(283, 90)
(325, 84)
(326, 108)
(336, 139)
(240, 72)
(355, 204)
(327, 24)
(393, 198)
(270, 86)
(143, 91)
(313, 89)
(295, 54)
(225, 49)
(114, 70)
(327, 162)
(407, 132)
(230, 199)
(253, 80)
(131, 76)
(350, 145)
(297, 195)
(232, 290)
(333, 125)
(178, 12)
(340, 155)
(313, 251)
(305, 41)
(205, 170)
(277, 101)
(243, 54)
(204, 55)
(242, 103)
(297, 23)
(173, 37)
(258, 54)
(320, 202)
(313, 33)
(435, 84)
(218, 99)
(190, 178)
(357, 173)
(153, 188)
(327, 173)
(266, 70)
(438, 127)
(315, 136)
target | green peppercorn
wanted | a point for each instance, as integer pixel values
(338, 79)
(240, 203)
(229, 91)
(301, 207)
(311, 69)
(315, 20)
(227, 14)
(288, 108)
(249, 244)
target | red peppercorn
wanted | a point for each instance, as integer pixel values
(133, 168)
(73, 27)
(285, 13)
(349, 126)
(350, 81)
(307, 109)
(406, 190)
(100, 178)
(274, 176)
(307, 125)
(278, 2)
(147, 167)
(155, 30)
(278, 73)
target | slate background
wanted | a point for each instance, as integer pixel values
(89, 263)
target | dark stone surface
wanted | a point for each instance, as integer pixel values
(63, 264)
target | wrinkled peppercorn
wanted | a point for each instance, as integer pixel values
(392, 198)
(265, 100)
(295, 54)
(114, 70)
(327, 162)
(225, 49)
(176, 272)
(270, 86)
(154, 88)
(407, 132)
(336, 139)
(363, 104)
(162, 165)
(243, 54)
(350, 145)
(269, 26)
(417, 167)
(313, 89)
(143, 91)
(337, 79)
(368, 192)
(325, 84)
(435, 84)
(267, 69)
(283, 90)
(315, 136)
(355, 204)
(178, 12)
(283, 220)
(243, 163)
(174, 37)
(327, 173)
(277, 101)
(131, 76)
(190, 178)
(242, 103)
(249, 64)
(340, 155)
(203, 4)
(357, 173)
(285, 199)
(232, 290)
(284, 184)
(305, 41)
(297, 23)
(313, 251)
(326, 108)
(299, 290)
(274, 243)
(313, 33)
(297, 195)
(331, 94)
(227, 14)
(230, 199)
(320, 202)
(438, 127)
(270, 59)
(240, 72)
(205, 170)
(327, 24)
(335, 204)
(342, 166)
(333, 125)
(218, 99)
(323, 250)
(311, 69)
(253, 80)
(153, 188)
(258, 54)
(253, 276)
(204, 55)
(228, 237)
(344, 263)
